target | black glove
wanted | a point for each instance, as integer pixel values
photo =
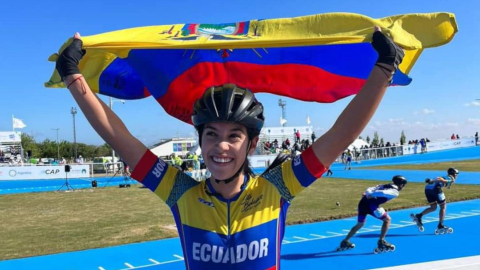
(388, 52)
(67, 62)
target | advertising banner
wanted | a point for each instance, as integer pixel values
(43, 172)
(437, 146)
(10, 137)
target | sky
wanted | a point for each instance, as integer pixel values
(440, 101)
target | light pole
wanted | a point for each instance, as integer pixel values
(58, 146)
(111, 108)
(73, 111)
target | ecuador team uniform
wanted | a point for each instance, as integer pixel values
(244, 232)
(379, 195)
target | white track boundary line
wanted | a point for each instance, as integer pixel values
(334, 234)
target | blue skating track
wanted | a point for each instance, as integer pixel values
(312, 246)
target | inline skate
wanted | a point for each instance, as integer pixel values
(442, 229)
(383, 246)
(345, 245)
(417, 218)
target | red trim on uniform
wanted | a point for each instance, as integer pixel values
(144, 166)
(272, 268)
(313, 165)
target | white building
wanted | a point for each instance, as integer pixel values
(179, 146)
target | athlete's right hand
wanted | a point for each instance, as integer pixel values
(67, 63)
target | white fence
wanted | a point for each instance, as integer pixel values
(43, 172)
(440, 145)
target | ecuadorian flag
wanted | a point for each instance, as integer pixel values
(321, 58)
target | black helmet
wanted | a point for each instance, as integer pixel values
(229, 103)
(399, 181)
(452, 171)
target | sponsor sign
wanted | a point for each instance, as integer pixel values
(10, 137)
(437, 146)
(43, 172)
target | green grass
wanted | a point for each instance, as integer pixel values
(464, 165)
(35, 224)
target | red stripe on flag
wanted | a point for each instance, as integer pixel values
(241, 28)
(310, 84)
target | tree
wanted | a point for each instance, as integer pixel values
(66, 149)
(360, 137)
(48, 148)
(403, 138)
(29, 144)
(368, 139)
(381, 141)
(376, 139)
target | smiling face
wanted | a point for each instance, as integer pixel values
(224, 148)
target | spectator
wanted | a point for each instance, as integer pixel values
(476, 138)
(458, 137)
(267, 146)
(453, 136)
(423, 143)
(284, 145)
(313, 137)
(196, 162)
(297, 135)
(275, 144)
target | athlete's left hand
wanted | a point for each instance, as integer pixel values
(389, 53)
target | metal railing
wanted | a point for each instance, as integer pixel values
(373, 153)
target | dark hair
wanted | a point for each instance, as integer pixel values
(282, 157)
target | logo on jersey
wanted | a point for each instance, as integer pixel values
(249, 202)
(230, 255)
(297, 161)
(159, 168)
(207, 203)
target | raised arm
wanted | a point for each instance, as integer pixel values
(105, 122)
(360, 110)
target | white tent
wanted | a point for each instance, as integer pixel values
(357, 144)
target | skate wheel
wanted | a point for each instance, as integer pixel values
(339, 249)
(437, 232)
(376, 251)
(421, 229)
(450, 230)
(393, 248)
(353, 245)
